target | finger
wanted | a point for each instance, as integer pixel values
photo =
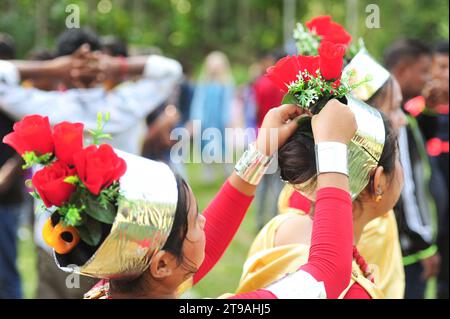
(293, 124)
(82, 50)
(289, 111)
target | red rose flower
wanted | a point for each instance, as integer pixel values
(331, 60)
(32, 133)
(337, 34)
(329, 30)
(319, 25)
(49, 183)
(68, 138)
(284, 72)
(98, 167)
(308, 63)
(288, 68)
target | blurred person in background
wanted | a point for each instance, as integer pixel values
(433, 121)
(171, 114)
(211, 105)
(409, 60)
(42, 83)
(127, 104)
(115, 47)
(267, 96)
(11, 195)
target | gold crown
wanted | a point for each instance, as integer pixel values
(141, 227)
(363, 66)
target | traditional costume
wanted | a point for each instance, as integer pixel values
(380, 239)
(113, 211)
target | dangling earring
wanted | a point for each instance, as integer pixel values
(379, 195)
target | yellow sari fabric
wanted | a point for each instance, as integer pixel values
(267, 263)
(379, 245)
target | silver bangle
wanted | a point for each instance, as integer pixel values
(252, 165)
(331, 157)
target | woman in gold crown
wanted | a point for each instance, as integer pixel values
(378, 243)
(157, 238)
(197, 241)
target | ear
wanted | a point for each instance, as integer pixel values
(161, 265)
(379, 181)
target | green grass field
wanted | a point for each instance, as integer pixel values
(223, 278)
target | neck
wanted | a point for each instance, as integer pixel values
(359, 223)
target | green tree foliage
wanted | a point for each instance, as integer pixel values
(188, 29)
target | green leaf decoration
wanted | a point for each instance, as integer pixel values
(31, 159)
(90, 232)
(104, 212)
(289, 98)
(72, 180)
(98, 134)
(72, 216)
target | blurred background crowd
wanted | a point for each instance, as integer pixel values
(225, 48)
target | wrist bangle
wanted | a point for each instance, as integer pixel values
(331, 157)
(252, 165)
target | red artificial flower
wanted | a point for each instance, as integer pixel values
(288, 68)
(284, 72)
(337, 34)
(98, 167)
(319, 25)
(329, 30)
(331, 60)
(308, 63)
(50, 185)
(31, 134)
(68, 138)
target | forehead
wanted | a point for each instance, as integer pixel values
(193, 208)
(424, 60)
(441, 58)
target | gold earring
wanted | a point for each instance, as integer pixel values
(379, 195)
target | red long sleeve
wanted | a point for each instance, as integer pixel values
(224, 215)
(330, 255)
(298, 201)
(357, 292)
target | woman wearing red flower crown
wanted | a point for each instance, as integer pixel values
(284, 241)
(130, 221)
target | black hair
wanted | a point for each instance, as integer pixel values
(296, 157)
(72, 39)
(441, 47)
(174, 243)
(114, 46)
(40, 55)
(386, 92)
(7, 47)
(404, 49)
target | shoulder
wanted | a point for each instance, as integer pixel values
(294, 230)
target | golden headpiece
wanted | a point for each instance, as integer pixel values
(364, 66)
(141, 227)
